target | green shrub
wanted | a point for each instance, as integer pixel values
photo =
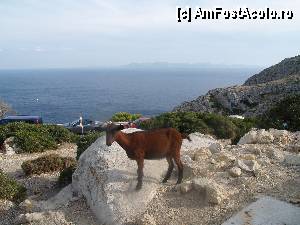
(60, 134)
(10, 189)
(36, 138)
(244, 126)
(65, 176)
(32, 141)
(47, 164)
(124, 116)
(207, 123)
(284, 115)
(85, 141)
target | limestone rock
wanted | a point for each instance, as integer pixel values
(185, 187)
(198, 141)
(251, 99)
(214, 192)
(186, 159)
(256, 137)
(235, 171)
(201, 154)
(215, 147)
(48, 217)
(295, 148)
(282, 137)
(26, 205)
(274, 153)
(248, 156)
(292, 159)
(6, 205)
(60, 200)
(224, 156)
(29, 218)
(248, 165)
(147, 220)
(251, 149)
(107, 179)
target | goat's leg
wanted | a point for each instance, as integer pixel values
(140, 163)
(170, 169)
(180, 168)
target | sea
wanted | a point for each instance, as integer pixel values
(61, 95)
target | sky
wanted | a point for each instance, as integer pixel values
(101, 33)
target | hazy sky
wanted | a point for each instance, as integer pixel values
(96, 33)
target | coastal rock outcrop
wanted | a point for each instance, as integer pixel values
(257, 95)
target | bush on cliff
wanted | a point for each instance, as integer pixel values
(85, 141)
(10, 189)
(47, 164)
(206, 123)
(284, 115)
(35, 138)
(124, 117)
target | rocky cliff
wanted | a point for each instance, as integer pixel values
(255, 96)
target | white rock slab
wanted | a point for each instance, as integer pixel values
(267, 211)
(107, 179)
(198, 141)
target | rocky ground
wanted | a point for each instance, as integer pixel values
(39, 188)
(219, 180)
(222, 179)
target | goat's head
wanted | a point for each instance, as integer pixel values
(111, 131)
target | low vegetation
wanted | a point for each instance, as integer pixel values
(36, 138)
(285, 115)
(124, 116)
(47, 164)
(206, 123)
(10, 189)
(85, 141)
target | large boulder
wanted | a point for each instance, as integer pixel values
(214, 193)
(107, 179)
(257, 137)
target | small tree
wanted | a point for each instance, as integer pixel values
(4, 109)
(124, 117)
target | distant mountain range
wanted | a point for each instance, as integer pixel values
(166, 65)
(258, 94)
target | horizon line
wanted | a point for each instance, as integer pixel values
(148, 65)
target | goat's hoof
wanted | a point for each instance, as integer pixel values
(138, 187)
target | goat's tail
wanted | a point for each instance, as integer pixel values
(185, 136)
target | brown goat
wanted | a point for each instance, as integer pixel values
(152, 144)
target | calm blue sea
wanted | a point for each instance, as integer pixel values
(98, 93)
